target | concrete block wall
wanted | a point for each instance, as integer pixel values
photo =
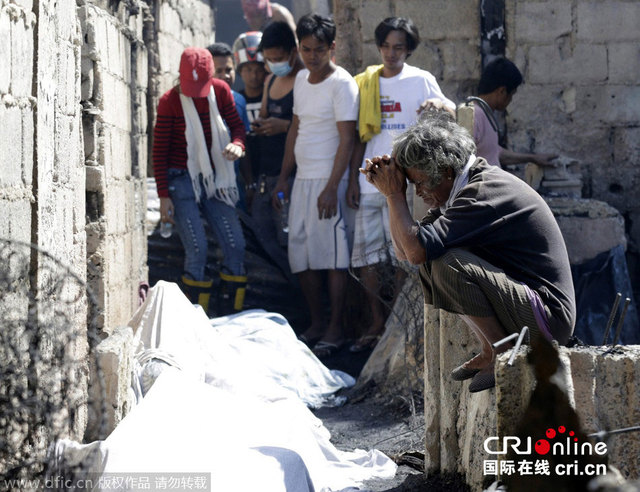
(17, 145)
(74, 106)
(114, 71)
(581, 97)
(601, 386)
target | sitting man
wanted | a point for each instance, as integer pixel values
(490, 249)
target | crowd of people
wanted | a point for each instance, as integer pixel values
(305, 134)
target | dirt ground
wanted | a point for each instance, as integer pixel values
(394, 426)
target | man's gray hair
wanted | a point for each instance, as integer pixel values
(434, 144)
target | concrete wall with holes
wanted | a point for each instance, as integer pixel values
(78, 87)
(581, 97)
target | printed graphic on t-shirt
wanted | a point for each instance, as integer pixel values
(389, 108)
(253, 110)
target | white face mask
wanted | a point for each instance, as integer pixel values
(280, 69)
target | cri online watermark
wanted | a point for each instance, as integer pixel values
(557, 442)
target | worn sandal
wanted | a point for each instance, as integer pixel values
(482, 381)
(322, 349)
(309, 342)
(461, 373)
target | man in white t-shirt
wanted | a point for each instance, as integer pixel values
(400, 92)
(320, 141)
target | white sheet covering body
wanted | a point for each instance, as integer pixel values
(237, 406)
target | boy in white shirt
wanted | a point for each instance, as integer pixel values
(391, 97)
(319, 142)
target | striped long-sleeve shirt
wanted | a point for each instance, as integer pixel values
(169, 141)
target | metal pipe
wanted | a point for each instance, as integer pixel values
(505, 340)
(614, 309)
(627, 301)
(524, 330)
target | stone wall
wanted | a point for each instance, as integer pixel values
(78, 87)
(601, 385)
(581, 65)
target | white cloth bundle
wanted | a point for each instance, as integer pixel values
(221, 183)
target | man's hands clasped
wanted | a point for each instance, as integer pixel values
(385, 174)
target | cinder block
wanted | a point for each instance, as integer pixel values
(142, 66)
(21, 56)
(618, 390)
(28, 143)
(168, 19)
(113, 366)
(599, 21)
(25, 4)
(624, 62)
(609, 104)
(541, 21)
(626, 146)
(5, 52)
(372, 12)
(11, 139)
(115, 212)
(117, 146)
(589, 227)
(95, 179)
(427, 56)
(116, 102)
(443, 19)
(17, 210)
(586, 63)
(461, 59)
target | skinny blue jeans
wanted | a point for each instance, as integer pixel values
(222, 218)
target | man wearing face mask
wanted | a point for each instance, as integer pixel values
(279, 50)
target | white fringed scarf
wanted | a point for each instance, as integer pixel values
(460, 182)
(221, 182)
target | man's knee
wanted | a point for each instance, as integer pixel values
(450, 263)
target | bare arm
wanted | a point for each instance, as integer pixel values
(508, 157)
(385, 175)
(353, 191)
(328, 198)
(288, 162)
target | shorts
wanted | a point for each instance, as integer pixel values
(316, 244)
(372, 236)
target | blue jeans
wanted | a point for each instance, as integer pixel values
(222, 218)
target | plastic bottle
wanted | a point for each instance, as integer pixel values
(166, 228)
(284, 212)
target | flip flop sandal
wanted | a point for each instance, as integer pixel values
(322, 350)
(367, 342)
(309, 342)
(481, 382)
(461, 373)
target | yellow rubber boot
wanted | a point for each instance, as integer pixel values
(198, 291)
(231, 295)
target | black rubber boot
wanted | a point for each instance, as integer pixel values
(231, 293)
(197, 291)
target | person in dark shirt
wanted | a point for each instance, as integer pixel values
(193, 167)
(280, 52)
(250, 67)
(490, 249)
